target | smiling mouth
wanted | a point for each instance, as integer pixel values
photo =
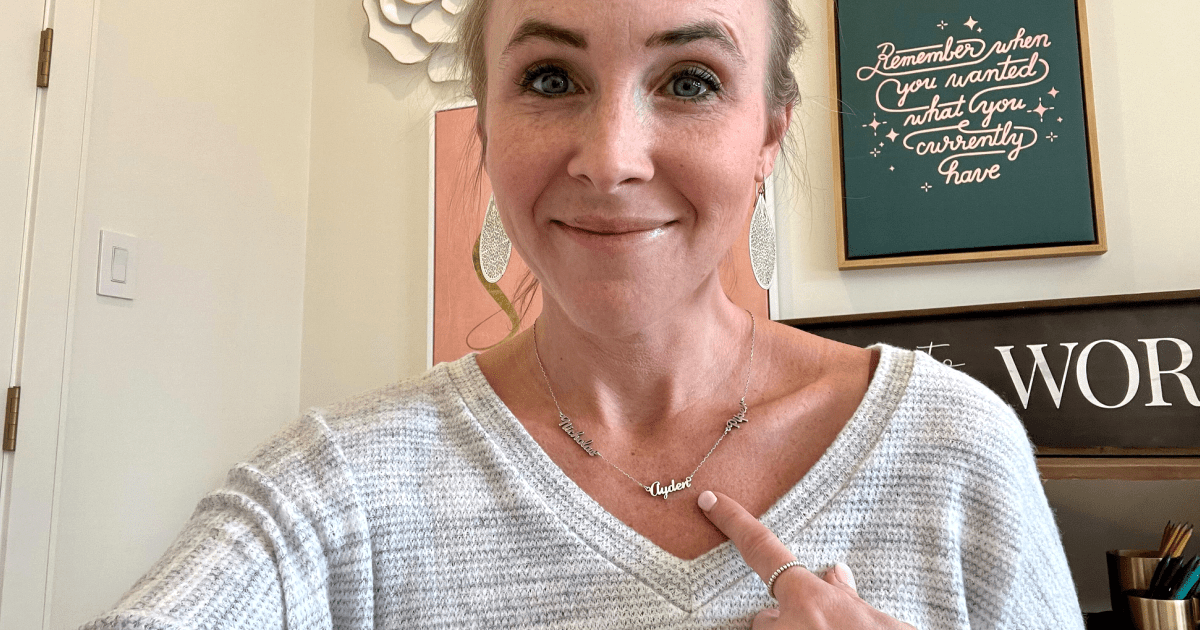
(616, 228)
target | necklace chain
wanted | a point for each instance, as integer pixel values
(655, 489)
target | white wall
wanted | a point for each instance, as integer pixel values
(199, 146)
(365, 305)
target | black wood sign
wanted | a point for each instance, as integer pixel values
(1099, 375)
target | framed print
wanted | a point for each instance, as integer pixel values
(466, 312)
(964, 131)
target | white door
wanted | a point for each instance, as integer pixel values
(20, 32)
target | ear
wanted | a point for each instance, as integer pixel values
(777, 126)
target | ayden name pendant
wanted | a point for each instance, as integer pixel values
(656, 489)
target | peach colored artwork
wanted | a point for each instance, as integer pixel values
(466, 316)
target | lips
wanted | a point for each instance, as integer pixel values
(613, 235)
(605, 226)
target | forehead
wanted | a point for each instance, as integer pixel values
(605, 24)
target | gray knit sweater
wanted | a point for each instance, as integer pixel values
(427, 505)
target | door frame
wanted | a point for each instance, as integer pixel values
(53, 274)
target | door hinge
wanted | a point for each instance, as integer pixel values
(43, 68)
(11, 410)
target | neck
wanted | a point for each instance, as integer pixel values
(648, 380)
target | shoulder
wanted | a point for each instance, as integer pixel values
(415, 408)
(948, 402)
(951, 430)
(414, 399)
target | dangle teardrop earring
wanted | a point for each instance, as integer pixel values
(762, 241)
(494, 246)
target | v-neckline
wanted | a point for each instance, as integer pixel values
(686, 584)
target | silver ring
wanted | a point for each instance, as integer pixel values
(776, 574)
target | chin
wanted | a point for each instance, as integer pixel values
(613, 310)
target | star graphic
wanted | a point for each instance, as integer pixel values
(1053, 92)
(875, 152)
(1040, 110)
(891, 168)
(892, 135)
(970, 23)
(942, 25)
(874, 124)
(926, 187)
(1060, 119)
(1051, 136)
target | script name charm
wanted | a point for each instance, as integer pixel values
(737, 420)
(658, 490)
(586, 445)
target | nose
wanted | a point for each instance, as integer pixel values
(614, 146)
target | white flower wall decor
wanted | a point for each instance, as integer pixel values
(411, 30)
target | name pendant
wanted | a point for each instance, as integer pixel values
(566, 425)
(658, 490)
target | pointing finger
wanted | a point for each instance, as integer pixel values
(840, 576)
(758, 545)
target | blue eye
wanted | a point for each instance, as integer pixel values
(693, 83)
(548, 80)
(688, 87)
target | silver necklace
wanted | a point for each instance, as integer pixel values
(656, 489)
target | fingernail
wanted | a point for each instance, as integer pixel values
(706, 500)
(844, 574)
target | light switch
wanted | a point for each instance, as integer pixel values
(120, 264)
(117, 275)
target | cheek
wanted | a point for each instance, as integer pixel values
(715, 166)
(726, 143)
(521, 159)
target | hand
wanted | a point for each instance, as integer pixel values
(806, 602)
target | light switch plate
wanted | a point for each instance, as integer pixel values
(118, 259)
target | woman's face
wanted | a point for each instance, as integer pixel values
(625, 143)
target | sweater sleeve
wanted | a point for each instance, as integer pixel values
(1014, 565)
(284, 544)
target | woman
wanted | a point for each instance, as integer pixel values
(588, 472)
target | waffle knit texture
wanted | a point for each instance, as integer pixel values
(427, 505)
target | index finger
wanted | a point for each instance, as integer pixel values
(758, 545)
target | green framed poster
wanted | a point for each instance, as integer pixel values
(965, 131)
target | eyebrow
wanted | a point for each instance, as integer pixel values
(537, 29)
(699, 31)
(706, 30)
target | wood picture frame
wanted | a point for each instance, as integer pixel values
(1038, 192)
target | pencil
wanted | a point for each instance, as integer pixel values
(1176, 529)
(1182, 542)
(1167, 532)
(1169, 539)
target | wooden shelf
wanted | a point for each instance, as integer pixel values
(1124, 468)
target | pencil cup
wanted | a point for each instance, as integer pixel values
(1129, 570)
(1163, 614)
